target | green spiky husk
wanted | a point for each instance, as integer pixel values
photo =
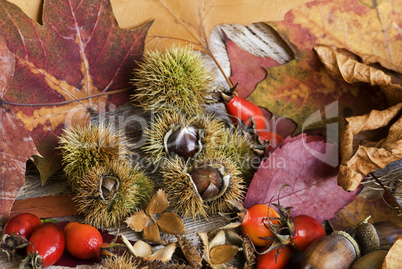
(184, 197)
(82, 148)
(135, 190)
(237, 146)
(211, 127)
(172, 80)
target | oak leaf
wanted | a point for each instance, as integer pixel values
(16, 145)
(74, 64)
(370, 155)
(309, 166)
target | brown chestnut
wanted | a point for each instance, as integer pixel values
(375, 236)
(183, 141)
(336, 251)
(207, 180)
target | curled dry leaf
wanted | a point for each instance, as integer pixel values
(368, 158)
(393, 260)
(340, 66)
(156, 219)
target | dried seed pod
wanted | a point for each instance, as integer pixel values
(218, 181)
(109, 193)
(238, 146)
(375, 236)
(83, 148)
(190, 252)
(163, 76)
(337, 250)
(173, 134)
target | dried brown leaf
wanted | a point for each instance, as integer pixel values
(393, 260)
(171, 223)
(369, 158)
(137, 221)
(157, 204)
(340, 66)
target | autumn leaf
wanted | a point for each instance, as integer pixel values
(301, 87)
(45, 206)
(359, 209)
(191, 22)
(309, 166)
(79, 61)
(248, 70)
(352, 71)
(369, 155)
(16, 145)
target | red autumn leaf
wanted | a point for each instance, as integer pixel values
(45, 206)
(73, 64)
(248, 70)
(16, 145)
(306, 164)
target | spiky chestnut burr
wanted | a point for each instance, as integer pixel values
(172, 133)
(237, 145)
(172, 80)
(202, 187)
(84, 147)
(109, 193)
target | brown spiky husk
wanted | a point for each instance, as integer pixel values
(173, 80)
(185, 198)
(235, 144)
(84, 147)
(210, 127)
(127, 261)
(134, 191)
(191, 252)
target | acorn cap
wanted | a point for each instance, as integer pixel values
(351, 240)
(367, 238)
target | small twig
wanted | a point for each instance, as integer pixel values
(399, 207)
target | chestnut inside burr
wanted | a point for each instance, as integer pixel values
(182, 141)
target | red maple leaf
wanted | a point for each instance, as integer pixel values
(78, 62)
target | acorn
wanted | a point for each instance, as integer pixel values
(202, 187)
(372, 260)
(85, 147)
(109, 193)
(173, 80)
(336, 251)
(375, 236)
(173, 134)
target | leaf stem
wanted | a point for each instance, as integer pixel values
(64, 102)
